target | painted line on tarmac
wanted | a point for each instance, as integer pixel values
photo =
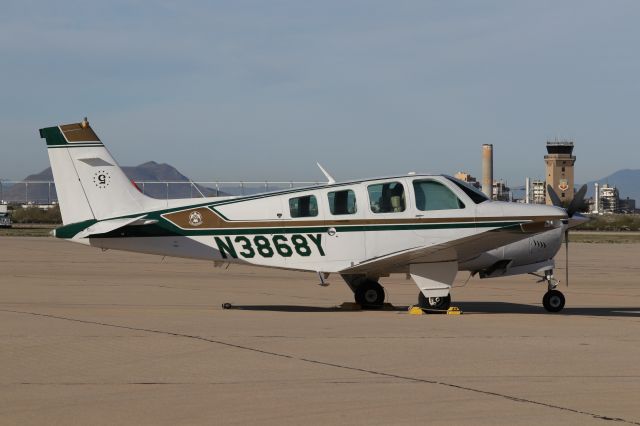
(340, 366)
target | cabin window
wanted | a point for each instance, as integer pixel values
(306, 206)
(387, 197)
(432, 195)
(342, 202)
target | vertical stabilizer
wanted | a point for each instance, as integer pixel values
(89, 183)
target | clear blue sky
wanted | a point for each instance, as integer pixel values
(264, 89)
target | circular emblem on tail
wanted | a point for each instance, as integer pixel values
(195, 218)
(101, 179)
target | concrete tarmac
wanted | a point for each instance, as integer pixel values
(91, 337)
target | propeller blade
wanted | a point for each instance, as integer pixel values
(554, 197)
(577, 202)
(566, 256)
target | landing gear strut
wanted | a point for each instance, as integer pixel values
(553, 300)
(369, 294)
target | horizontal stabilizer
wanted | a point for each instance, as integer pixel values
(105, 226)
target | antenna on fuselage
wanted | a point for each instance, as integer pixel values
(330, 179)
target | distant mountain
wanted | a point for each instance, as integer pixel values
(46, 174)
(149, 172)
(627, 181)
(152, 171)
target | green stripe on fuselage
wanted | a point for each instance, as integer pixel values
(166, 229)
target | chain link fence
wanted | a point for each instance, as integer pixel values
(44, 192)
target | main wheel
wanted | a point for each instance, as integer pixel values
(369, 294)
(553, 301)
(440, 303)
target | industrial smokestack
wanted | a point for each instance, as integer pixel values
(487, 170)
(597, 199)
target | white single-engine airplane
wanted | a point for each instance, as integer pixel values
(429, 226)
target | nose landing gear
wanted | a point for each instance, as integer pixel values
(439, 303)
(553, 300)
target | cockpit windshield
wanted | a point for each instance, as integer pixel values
(473, 192)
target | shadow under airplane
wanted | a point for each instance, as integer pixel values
(518, 308)
(465, 307)
(296, 308)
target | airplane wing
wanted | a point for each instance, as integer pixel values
(459, 249)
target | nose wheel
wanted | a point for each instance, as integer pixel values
(553, 300)
(439, 303)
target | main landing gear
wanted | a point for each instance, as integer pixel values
(553, 300)
(367, 291)
(369, 294)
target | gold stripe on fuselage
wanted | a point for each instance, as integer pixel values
(209, 219)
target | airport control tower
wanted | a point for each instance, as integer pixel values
(560, 161)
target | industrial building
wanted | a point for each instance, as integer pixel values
(606, 199)
(535, 191)
(466, 177)
(500, 191)
(538, 191)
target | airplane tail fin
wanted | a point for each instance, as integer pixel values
(89, 183)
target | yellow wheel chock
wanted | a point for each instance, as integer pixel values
(417, 310)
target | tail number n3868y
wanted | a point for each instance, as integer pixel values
(267, 246)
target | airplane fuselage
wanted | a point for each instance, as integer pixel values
(265, 229)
